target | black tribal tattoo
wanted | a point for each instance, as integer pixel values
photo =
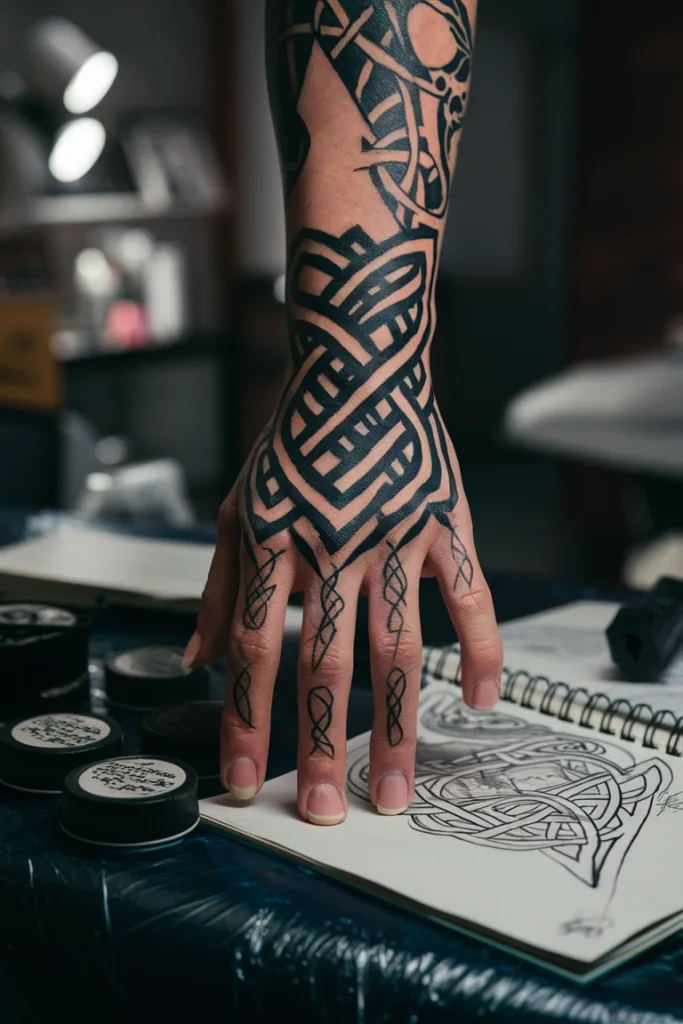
(333, 605)
(240, 695)
(259, 590)
(463, 562)
(320, 703)
(395, 590)
(357, 450)
(396, 688)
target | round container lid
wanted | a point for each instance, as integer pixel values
(30, 614)
(130, 801)
(43, 656)
(191, 732)
(36, 753)
(152, 676)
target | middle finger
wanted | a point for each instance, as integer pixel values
(324, 682)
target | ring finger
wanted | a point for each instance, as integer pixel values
(396, 668)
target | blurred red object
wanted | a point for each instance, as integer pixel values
(126, 325)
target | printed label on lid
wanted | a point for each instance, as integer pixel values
(35, 615)
(60, 731)
(151, 661)
(132, 778)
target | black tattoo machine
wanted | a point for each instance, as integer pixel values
(643, 638)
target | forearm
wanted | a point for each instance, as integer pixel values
(368, 99)
(354, 484)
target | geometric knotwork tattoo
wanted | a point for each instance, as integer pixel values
(356, 450)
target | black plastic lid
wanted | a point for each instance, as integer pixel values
(43, 656)
(152, 676)
(130, 801)
(191, 732)
(36, 753)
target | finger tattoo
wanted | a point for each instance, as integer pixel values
(320, 703)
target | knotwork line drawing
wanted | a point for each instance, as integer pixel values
(582, 802)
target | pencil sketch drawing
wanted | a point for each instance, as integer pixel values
(495, 780)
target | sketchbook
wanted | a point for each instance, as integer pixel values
(551, 826)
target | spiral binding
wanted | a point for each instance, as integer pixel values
(628, 714)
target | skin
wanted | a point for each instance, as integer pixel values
(354, 486)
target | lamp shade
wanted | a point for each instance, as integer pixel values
(68, 67)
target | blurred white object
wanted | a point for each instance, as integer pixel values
(95, 285)
(77, 148)
(165, 292)
(647, 562)
(145, 491)
(67, 65)
(626, 412)
(129, 248)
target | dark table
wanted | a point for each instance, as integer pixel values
(211, 929)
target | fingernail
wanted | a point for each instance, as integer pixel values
(392, 793)
(242, 778)
(325, 805)
(191, 651)
(486, 694)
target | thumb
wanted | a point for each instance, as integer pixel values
(209, 641)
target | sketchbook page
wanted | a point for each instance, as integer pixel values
(538, 635)
(569, 645)
(546, 835)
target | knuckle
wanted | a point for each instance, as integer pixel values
(249, 647)
(400, 649)
(333, 668)
(475, 601)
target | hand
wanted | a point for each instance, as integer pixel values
(353, 487)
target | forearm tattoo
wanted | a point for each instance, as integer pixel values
(357, 449)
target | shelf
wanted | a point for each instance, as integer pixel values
(61, 211)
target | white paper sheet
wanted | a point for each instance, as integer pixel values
(568, 644)
(101, 561)
(72, 564)
(543, 834)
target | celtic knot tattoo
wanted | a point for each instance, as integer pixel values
(240, 695)
(356, 450)
(396, 688)
(259, 591)
(332, 606)
(463, 562)
(356, 445)
(320, 703)
(395, 589)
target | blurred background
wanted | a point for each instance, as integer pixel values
(142, 331)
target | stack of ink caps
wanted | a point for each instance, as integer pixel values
(48, 747)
